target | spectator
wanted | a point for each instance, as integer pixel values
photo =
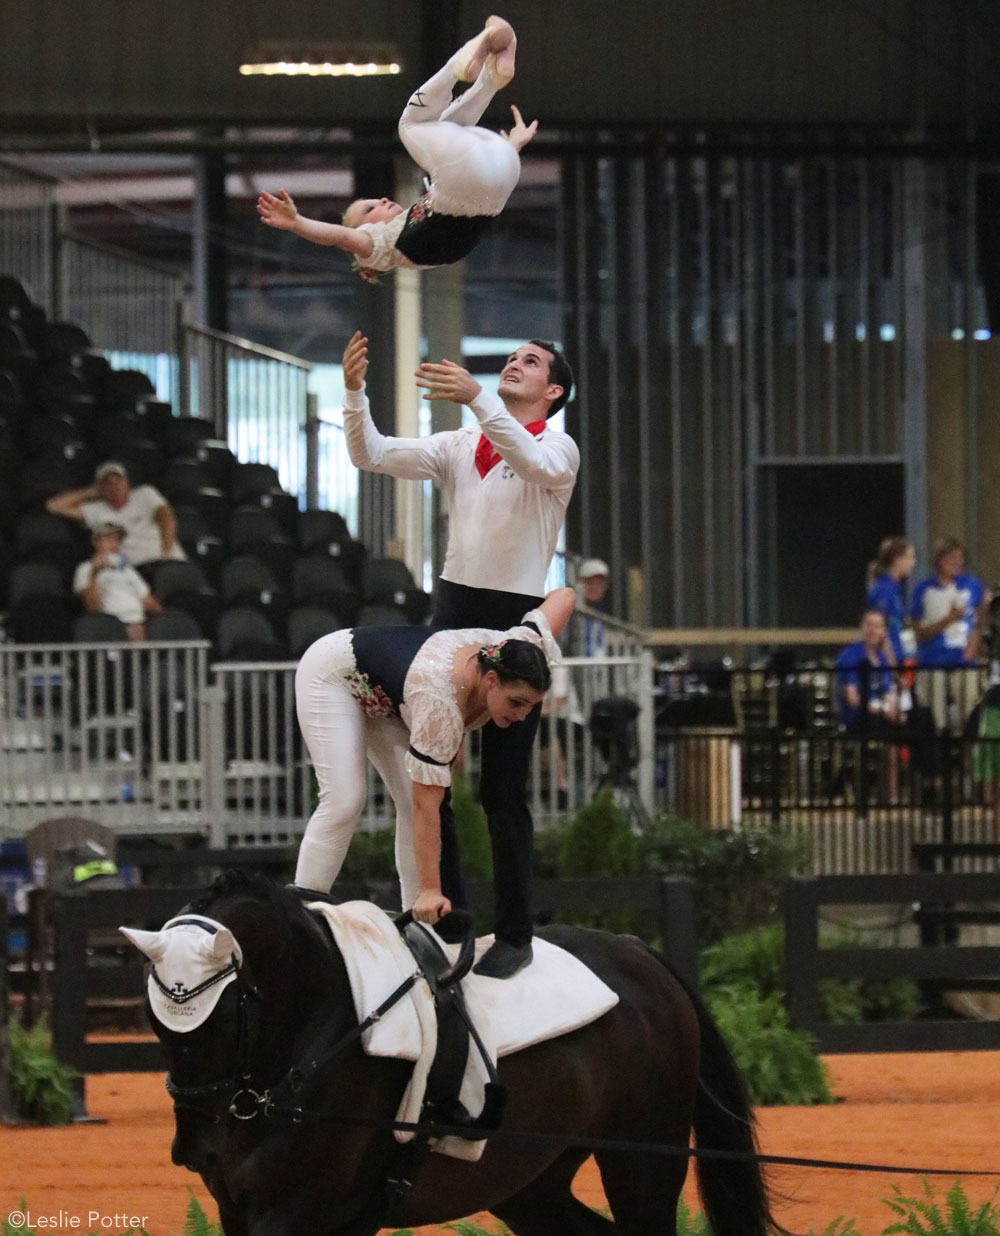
(143, 513)
(106, 584)
(887, 576)
(864, 679)
(592, 576)
(946, 609)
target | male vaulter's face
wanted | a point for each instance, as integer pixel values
(525, 377)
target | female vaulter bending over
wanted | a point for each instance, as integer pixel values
(403, 698)
(472, 170)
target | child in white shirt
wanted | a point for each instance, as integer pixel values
(106, 584)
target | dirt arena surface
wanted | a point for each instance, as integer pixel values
(933, 1110)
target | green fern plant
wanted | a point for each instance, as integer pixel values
(922, 1216)
(779, 1065)
(689, 1224)
(8, 1228)
(197, 1223)
(466, 1227)
(41, 1086)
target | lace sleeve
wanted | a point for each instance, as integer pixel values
(384, 255)
(436, 733)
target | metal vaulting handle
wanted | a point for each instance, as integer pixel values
(466, 952)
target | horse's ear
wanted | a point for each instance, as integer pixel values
(221, 946)
(151, 943)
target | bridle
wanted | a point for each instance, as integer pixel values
(244, 1101)
(248, 1002)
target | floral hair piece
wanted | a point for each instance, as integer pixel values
(367, 273)
(493, 653)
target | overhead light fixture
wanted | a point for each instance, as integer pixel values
(286, 59)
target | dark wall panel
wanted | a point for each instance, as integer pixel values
(580, 61)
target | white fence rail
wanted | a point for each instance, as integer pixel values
(151, 739)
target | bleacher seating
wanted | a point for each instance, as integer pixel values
(64, 409)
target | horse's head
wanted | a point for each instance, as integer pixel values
(234, 979)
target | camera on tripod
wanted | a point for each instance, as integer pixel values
(613, 729)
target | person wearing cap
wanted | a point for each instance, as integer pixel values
(508, 483)
(106, 584)
(143, 512)
(592, 576)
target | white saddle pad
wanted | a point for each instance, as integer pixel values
(552, 995)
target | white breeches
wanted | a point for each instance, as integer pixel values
(341, 739)
(473, 170)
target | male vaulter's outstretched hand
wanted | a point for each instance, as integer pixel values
(447, 381)
(356, 361)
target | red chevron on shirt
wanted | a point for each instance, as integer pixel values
(487, 457)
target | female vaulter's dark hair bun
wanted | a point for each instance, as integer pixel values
(517, 660)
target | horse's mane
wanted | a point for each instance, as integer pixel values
(237, 882)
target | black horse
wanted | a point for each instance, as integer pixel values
(650, 1070)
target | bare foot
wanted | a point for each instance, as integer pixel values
(469, 60)
(500, 33)
(500, 64)
(496, 35)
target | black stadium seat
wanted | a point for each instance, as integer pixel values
(14, 300)
(175, 576)
(48, 475)
(60, 384)
(98, 629)
(125, 388)
(245, 580)
(185, 432)
(307, 624)
(42, 620)
(217, 461)
(252, 479)
(387, 581)
(155, 416)
(284, 507)
(63, 341)
(37, 579)
(321, 581)
(50, 433)
(244, 634)
(317, 529)
(173, 624)
(60, 542)
(183, 477)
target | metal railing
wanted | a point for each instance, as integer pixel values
(256, 397)
(152, 739)
(759, 747)
(107, 729)
(126, 304)
(27, 232)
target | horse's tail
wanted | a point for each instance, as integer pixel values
(733, 1191)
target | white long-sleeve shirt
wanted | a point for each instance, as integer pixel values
(503, 527)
